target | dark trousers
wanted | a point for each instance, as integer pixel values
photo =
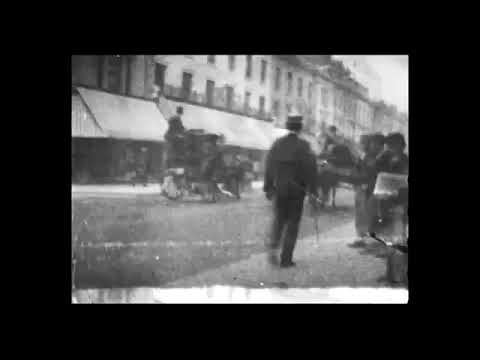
(287, 215)
(361, 211)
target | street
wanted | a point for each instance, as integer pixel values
(148, 241)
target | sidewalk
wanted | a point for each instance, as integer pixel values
(328, 271)
(128, 190)
(328, 262)
(102, 190)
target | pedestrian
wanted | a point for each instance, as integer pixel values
(394, 160)
(142, 166)
(370, 171)
(359, 187)
(330, 139)
(291, 172)
(394, 209)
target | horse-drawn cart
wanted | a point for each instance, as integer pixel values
(195, 165)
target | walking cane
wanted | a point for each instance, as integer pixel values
(316, 226)
(314, 211)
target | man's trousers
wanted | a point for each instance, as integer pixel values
(287, 215)
(361, 211)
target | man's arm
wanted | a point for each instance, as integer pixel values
(309, 164)
(268, 186)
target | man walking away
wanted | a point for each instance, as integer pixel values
(291, 171)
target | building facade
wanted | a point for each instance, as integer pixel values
(292, 91)
(388, 119)
(325, 104)
(130, 75)
(114, 97)
(232, 83)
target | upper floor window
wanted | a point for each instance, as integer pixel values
(211, 59)
(289, 83)
(248, 72)
(289, 108)
(186, 85)
(229, 97)
(324, 97)
(310, 90)
(209, 91)
(300, 86)
(231, 62)
(276, 108)
(262, 105)
(264, 71)
(277, 78)
(247, 100)
(114, 74)
(160, 75)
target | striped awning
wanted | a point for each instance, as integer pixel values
(122, 117)
(238, 130)
(83, 122)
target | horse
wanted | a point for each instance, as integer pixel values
(334, 165)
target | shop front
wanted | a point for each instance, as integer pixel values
(115, 139)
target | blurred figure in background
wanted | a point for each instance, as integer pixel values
(361, 220)
(366, 218)
(394, 160)
(142, 166)
(394, 208)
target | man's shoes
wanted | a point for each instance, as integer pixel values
(287, 264)
(358, 243)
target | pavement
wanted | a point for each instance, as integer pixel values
(324, 262)
(328, 271)
(82, 191)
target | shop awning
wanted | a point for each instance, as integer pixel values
(83, 123)
(124, 117)
(238, 130)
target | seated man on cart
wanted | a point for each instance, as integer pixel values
(175, 140)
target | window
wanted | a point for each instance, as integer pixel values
(310, 90)
(247, 101)
(160, 75)
(276, 108)
(229, 97)
(114, 80)
(289, 108)
(277, 78)
(186, 85)
(324, 97)
(264, 71)
(211, 59)
(289, 83)
(262, 105)
(231, 62)
(249, 66)
(300, 86)
(209, 91)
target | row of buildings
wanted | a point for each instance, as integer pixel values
(245, 96)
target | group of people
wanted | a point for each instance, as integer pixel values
(292, 174)
(373, 213)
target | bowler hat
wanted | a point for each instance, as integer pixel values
(294, 119)
(395, 138)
